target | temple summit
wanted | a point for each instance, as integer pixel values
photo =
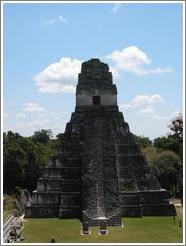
(98, 171)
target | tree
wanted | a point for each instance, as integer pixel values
(176, 134)
(174, 140)
(151, 155)
(42, 136)
(13, 162)
(37, 155)
(168, 164)
(176, 127)
(24, 158)
(59, 137)
(166, 143)
(143, 141)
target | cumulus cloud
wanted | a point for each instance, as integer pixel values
(59, 77)
(27, 123)
(37, 123)
(28, 126)
(116, 7)
(50, 22)
(33, 107)
(145, 107)
(114, 72)
(144, 102)
(5, 115)
(59, 115)
(62, 76)
(134, 60)
(147, 110)
(20, 116)
(175, 114)
(147, 115)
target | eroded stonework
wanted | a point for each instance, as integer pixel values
(98, 171)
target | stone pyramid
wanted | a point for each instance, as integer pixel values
(98, 172)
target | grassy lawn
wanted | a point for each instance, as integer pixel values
(135, 230)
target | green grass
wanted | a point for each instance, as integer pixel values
(135, 230)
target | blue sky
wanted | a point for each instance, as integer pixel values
(45, 44)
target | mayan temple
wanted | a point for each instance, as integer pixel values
(98, 171)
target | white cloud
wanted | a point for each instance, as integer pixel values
(62, 76)
(134, 60)
(116, 7)
(33, 107)
(37, 123)
(146, 99)
(175, 114)
(59, 77)
(59, 115)
(144, 102)
(20, 116)
(50, 22)
(62, 19)
(151, 126)
(147, 115)
(147, 110)
(114, 72)
(28, 126)
(5, 115)
(158, 70)
(56, 121)
(19, 126)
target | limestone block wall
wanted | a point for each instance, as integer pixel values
(58, 191)
(106, 99)
(82, 100)
(146, 203)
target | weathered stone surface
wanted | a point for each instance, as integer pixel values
(98, 172)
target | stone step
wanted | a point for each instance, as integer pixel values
(112, 220)
(62, 167)
(109, 222)
(60, 179)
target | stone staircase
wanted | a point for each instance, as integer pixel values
(113, 220)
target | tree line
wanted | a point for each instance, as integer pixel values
(25, 157)
(165, 156)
